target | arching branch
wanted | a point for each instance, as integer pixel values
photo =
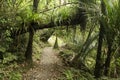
(79, 18)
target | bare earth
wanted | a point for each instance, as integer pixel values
(49, 67)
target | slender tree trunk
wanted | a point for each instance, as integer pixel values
(56, 43)
(98, 65)
(28, 53)
(108, 60)
(110, 37)
(35, 5)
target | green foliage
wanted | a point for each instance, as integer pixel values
(36, 51)
(14, 13)
(90, 62)
(118, 61)
(10, 72)
(5, 39)
(66, 55)
(111, 22)
(15, 76)
(75, 74)
(83, 43)
(68, 74)
(8, 57)
(38, 45)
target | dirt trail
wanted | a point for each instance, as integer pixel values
(49, 68)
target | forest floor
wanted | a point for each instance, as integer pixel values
(50, 66)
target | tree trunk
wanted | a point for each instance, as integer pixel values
(28, 53)
(56, 43)
(108, 60)
(35, 5)
(98, 65)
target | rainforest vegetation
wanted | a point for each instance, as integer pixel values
(59, 39)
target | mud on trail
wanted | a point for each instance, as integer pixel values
(50, 67)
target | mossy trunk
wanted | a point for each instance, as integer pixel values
(28, 53)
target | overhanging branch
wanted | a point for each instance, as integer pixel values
(77, 19)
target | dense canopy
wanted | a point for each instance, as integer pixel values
(87, 30)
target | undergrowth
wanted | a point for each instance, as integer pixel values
(13, 65)
(76, 74)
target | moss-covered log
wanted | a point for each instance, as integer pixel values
(76, 19)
